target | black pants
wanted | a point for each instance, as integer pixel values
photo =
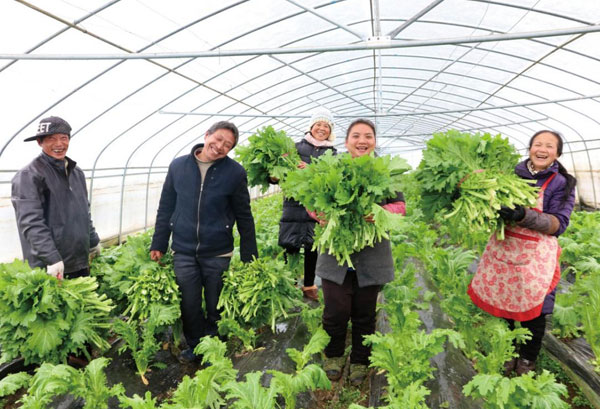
(349, 302)
(84, 272)
(310, 264)
(531, 349)
(195, 277)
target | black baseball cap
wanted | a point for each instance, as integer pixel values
(51, 126)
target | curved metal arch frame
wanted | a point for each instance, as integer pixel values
(496, 96)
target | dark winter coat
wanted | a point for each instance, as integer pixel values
(553, 204)
(373, 265)
(53, 215)
(296, 228)
(200, 214)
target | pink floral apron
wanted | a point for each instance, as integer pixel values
(515, 274)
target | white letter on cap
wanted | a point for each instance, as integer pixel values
(44, 127)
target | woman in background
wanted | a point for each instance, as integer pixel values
(296, 227)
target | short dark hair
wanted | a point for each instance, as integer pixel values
(363, 121)
(225, 125)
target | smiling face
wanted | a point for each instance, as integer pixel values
(543, 151)
(360, 140)
(320, 130)
(217, 145)
(55, 145)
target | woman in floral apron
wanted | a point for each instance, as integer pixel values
(516, 278)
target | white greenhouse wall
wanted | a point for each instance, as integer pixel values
(106, 204)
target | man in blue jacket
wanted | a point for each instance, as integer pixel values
(51, 205)
(204, 194)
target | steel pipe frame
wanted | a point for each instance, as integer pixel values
(594, 28)
(480, 79)
(423, 113)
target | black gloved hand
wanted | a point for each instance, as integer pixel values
(515, 215)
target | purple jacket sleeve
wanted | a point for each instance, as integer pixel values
(554, 205)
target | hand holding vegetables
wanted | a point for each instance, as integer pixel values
(344, 190)
(269, 155)
(514, 215)
(468, 178)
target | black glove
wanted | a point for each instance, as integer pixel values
(515, 215)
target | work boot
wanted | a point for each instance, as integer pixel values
(524, 366)
(187, 356)
(333, 367)
(358, 373)
(311, 292)
(509, 366)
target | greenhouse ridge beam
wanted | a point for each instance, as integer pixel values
(449, 111)
(373, 45)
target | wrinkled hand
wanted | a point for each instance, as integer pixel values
(369, 218)
(95, 251)
(156, 255)
(515, 215)
(56, 270)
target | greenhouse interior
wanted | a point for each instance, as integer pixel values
(434, 162)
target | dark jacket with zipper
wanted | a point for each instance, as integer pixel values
(296, 227)
(53, 215)
(200, 214)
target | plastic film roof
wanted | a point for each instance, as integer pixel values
(141, 81)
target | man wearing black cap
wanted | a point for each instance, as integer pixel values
(50, 200)
(204, 194)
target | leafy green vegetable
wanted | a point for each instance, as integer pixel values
(133, 280)
(258, 293)
(469, 177)
(137, 402)
(53, 380)
(250, 393)
(526, 391)
(390, 352)
(497, 343)
(43, 319)
(343, 190)
(229, 326)
(312, 317)
(307, 377)
(268, 154)
(144, 350)
(413, 397)
(13, 382)
(316, 344)
(206, 388)
(581, 252)
(310, 377)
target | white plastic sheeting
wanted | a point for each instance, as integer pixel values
(140, 81)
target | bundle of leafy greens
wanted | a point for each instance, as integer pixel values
(467, 178)
(43, 319)
(343, 190)
(268, 154)
(258, 293)
(133, 281)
